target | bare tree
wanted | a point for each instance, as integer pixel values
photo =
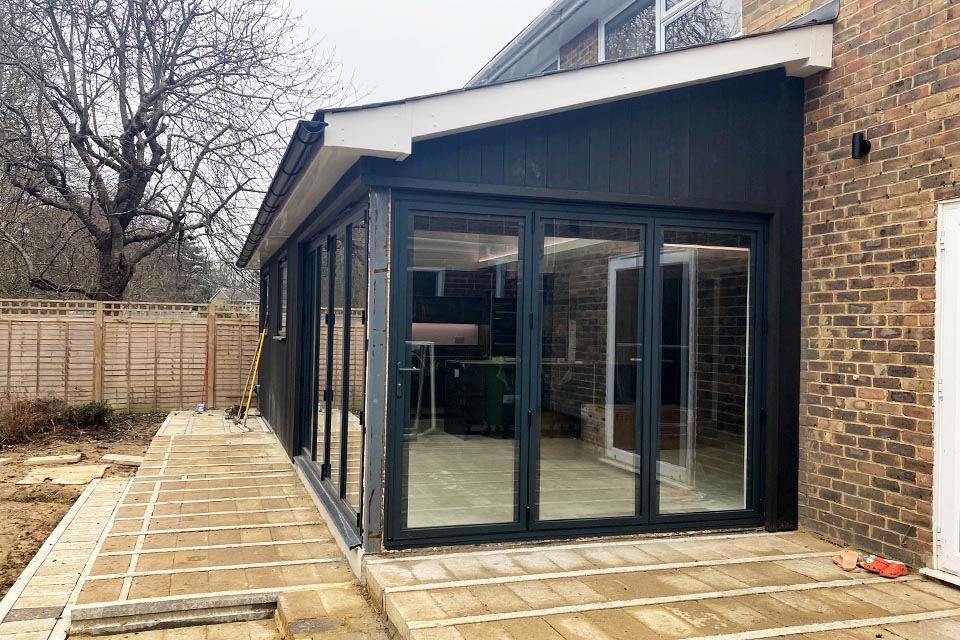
(708, 22)
(133, 124)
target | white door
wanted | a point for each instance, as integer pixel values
(947, 410)
(619, 349)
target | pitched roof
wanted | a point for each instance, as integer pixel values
(322, 150)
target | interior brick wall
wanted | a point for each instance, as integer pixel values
(582, 49)
(869, 261)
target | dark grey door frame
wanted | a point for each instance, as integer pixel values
(527, 525)
(317, 466)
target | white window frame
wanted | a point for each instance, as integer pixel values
(682, 474)
(946, 438)
(665, 18)
(439, 272)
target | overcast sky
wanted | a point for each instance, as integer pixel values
(401, 48)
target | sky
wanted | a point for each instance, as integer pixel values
(401, 48)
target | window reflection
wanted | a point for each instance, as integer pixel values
(357, 360)
(339, 319)
(709, 21)
(632, 33)
(323, 350)
(460, 446)
(592, 297)
(705, 325)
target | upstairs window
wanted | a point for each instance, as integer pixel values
(646, 26)
(633, 32)
(701, 22)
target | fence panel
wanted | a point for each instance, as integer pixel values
(135, 356)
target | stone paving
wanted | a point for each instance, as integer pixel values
(216, 533)
(746, 586)
(253, 630)
(213, 512)
(213, 528)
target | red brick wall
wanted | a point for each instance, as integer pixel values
(582, 49)
(869, 267)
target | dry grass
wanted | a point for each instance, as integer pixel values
(23, 419)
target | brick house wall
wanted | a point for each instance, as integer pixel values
(582, 49)
(766, 15)
(869, 262)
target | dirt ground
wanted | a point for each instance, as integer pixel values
(29, 513)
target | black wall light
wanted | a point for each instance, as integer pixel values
(861, 146)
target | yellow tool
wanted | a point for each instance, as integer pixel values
(253, 376)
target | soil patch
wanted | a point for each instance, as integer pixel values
(28, 513)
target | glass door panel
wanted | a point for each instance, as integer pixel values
(706, 315)
(308, 415)
(591, 284)
(338, 322)
(357, 358)
(321, 408)
(459, 371)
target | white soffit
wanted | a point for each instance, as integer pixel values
(389, 131)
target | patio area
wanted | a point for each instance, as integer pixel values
(214, 528)
(742, 586)
(217, 537)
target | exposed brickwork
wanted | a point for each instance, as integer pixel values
(765, 15)
(869, 268)
(582, 49)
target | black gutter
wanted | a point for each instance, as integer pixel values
(824, 14)
(300, 151)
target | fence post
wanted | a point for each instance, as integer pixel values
(98, 345)
(211, 355)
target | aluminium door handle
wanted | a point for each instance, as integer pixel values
(402, 369)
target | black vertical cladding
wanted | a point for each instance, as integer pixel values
(280, 361)
(731, 146)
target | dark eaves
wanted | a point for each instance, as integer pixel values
(303, 145)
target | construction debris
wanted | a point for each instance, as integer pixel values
(127, 461)
(80, 474)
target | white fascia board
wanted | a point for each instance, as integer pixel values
(391, 130)
(327, 167)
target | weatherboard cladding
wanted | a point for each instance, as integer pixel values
(717, 142)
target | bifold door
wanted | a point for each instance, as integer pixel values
(570, 371)
(332, 413)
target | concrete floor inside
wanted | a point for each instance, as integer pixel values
(470, 479)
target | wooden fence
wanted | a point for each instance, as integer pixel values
(136, 356)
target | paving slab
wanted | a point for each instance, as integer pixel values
(745, 586)
(121, 459)
(78, 474)
(69, 458)
(200, 539)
